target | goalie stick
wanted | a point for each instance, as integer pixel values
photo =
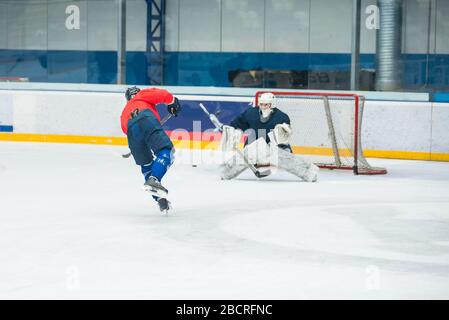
(213, 118)
(164, 120)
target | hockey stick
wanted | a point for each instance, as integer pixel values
(164, 120)
(213, 118)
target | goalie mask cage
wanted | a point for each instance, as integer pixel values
(326, 128)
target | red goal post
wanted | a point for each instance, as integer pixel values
(326, 128)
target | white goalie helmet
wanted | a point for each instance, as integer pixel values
(266, 98)
(266, 105)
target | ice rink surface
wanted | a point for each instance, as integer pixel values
(75, 224)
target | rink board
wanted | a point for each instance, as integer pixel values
(415, 130)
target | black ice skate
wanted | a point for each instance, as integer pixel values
(164, 205)
(153, 186)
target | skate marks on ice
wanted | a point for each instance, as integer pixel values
(268, 238)
(380, 234)
(353, 235)
(318, 222)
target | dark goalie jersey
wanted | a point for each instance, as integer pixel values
(252, 119)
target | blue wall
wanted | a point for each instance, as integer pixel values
(7, 128)
(200, 68)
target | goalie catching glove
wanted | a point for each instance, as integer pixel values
(230, 138)
(281, 134)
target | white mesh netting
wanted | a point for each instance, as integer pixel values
(325, 129)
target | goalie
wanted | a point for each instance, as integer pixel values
(268, 143)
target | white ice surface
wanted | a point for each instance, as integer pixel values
(74, 223)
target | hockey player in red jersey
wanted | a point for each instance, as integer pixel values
(150, 146)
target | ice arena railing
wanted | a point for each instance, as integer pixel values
(396, 125)
(207, 91)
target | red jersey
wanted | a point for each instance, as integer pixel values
(145, 99)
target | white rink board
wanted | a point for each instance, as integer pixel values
(387, 125)
(398, 126)
(67, 113)
(440, 128)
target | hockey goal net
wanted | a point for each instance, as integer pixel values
(326, 128)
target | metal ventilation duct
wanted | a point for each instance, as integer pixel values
(388, 45)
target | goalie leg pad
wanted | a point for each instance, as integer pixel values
(232, 168)
(230, 138)
(301, 168)
(229, 173)
(258, 152)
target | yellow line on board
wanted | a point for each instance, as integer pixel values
(390, 154)
(320, 151)
(33, 137)
(188, 144)
(27, 137)
(439, 157)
